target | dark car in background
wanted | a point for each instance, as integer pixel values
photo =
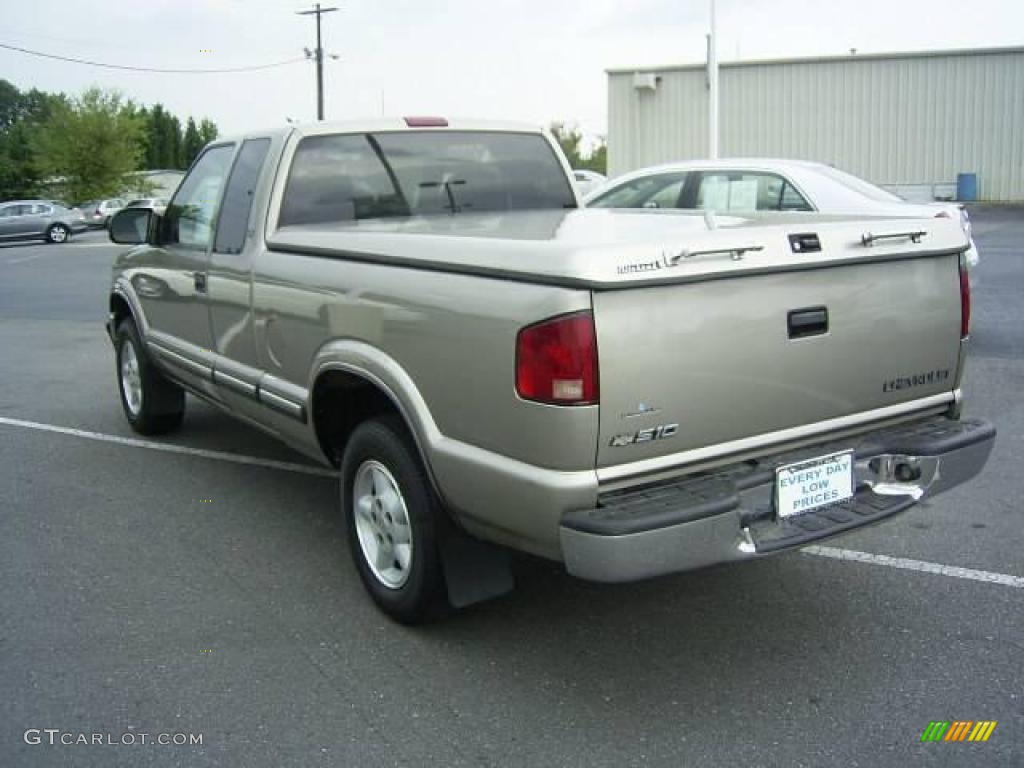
(47, 220)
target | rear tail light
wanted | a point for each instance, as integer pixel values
(965, 301)
(556, 361)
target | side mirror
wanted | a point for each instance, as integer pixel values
(131, 226)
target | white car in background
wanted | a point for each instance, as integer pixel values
(745, 185)
(587, 181)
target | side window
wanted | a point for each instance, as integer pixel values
(6, 212)
(741, 191)
(233, 220)
(662, 190)
(668, 196)
(189, 218)
(793, 200)
(42, 210)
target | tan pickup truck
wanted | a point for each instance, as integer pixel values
(422, 305)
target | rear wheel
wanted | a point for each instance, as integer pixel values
(391, 516)
(57, 233)
(152, 404)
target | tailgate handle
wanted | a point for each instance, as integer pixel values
(868, 239)
(735, 253)
(812, 321)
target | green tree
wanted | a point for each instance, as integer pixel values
(208, 131)
(20, 116)
(10, 105)
(88, 146)
(569, 139)
(19, 176)
(154, 143)
(163, 139)
(597, 160)
(172, 134)
(192, 143)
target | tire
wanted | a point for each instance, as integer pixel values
(152, 404)
(405, 578)
(58, 233)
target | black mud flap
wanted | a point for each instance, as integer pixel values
(474, 570)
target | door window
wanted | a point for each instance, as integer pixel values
(189, 218)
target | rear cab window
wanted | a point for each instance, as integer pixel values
(351, 177)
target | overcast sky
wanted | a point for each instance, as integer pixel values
(534, 60)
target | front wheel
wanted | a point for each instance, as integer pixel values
(152, 404)
(391, 516)
(57, 233)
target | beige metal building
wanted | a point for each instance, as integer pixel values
(911, 121)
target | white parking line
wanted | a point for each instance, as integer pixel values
(916, 565)
(286, 466)
(834, 553)
(26, 258)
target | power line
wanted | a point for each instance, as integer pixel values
(150, 69)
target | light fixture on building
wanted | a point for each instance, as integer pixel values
(646, 81)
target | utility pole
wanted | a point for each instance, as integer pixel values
(712, 89)
(318, 12)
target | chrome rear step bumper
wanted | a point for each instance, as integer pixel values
(729, 514)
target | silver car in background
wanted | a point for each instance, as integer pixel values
(47, 220)
(98, 212)
(760, 184)
(158, 204)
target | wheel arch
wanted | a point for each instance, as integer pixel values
(121, 304)
(120, 308)
(474, 570)
(346, 392)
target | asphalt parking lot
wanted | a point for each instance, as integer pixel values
(200, 584)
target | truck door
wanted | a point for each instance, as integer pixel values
(172, 282)
(236, 371)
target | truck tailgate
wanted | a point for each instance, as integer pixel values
(689, 365)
